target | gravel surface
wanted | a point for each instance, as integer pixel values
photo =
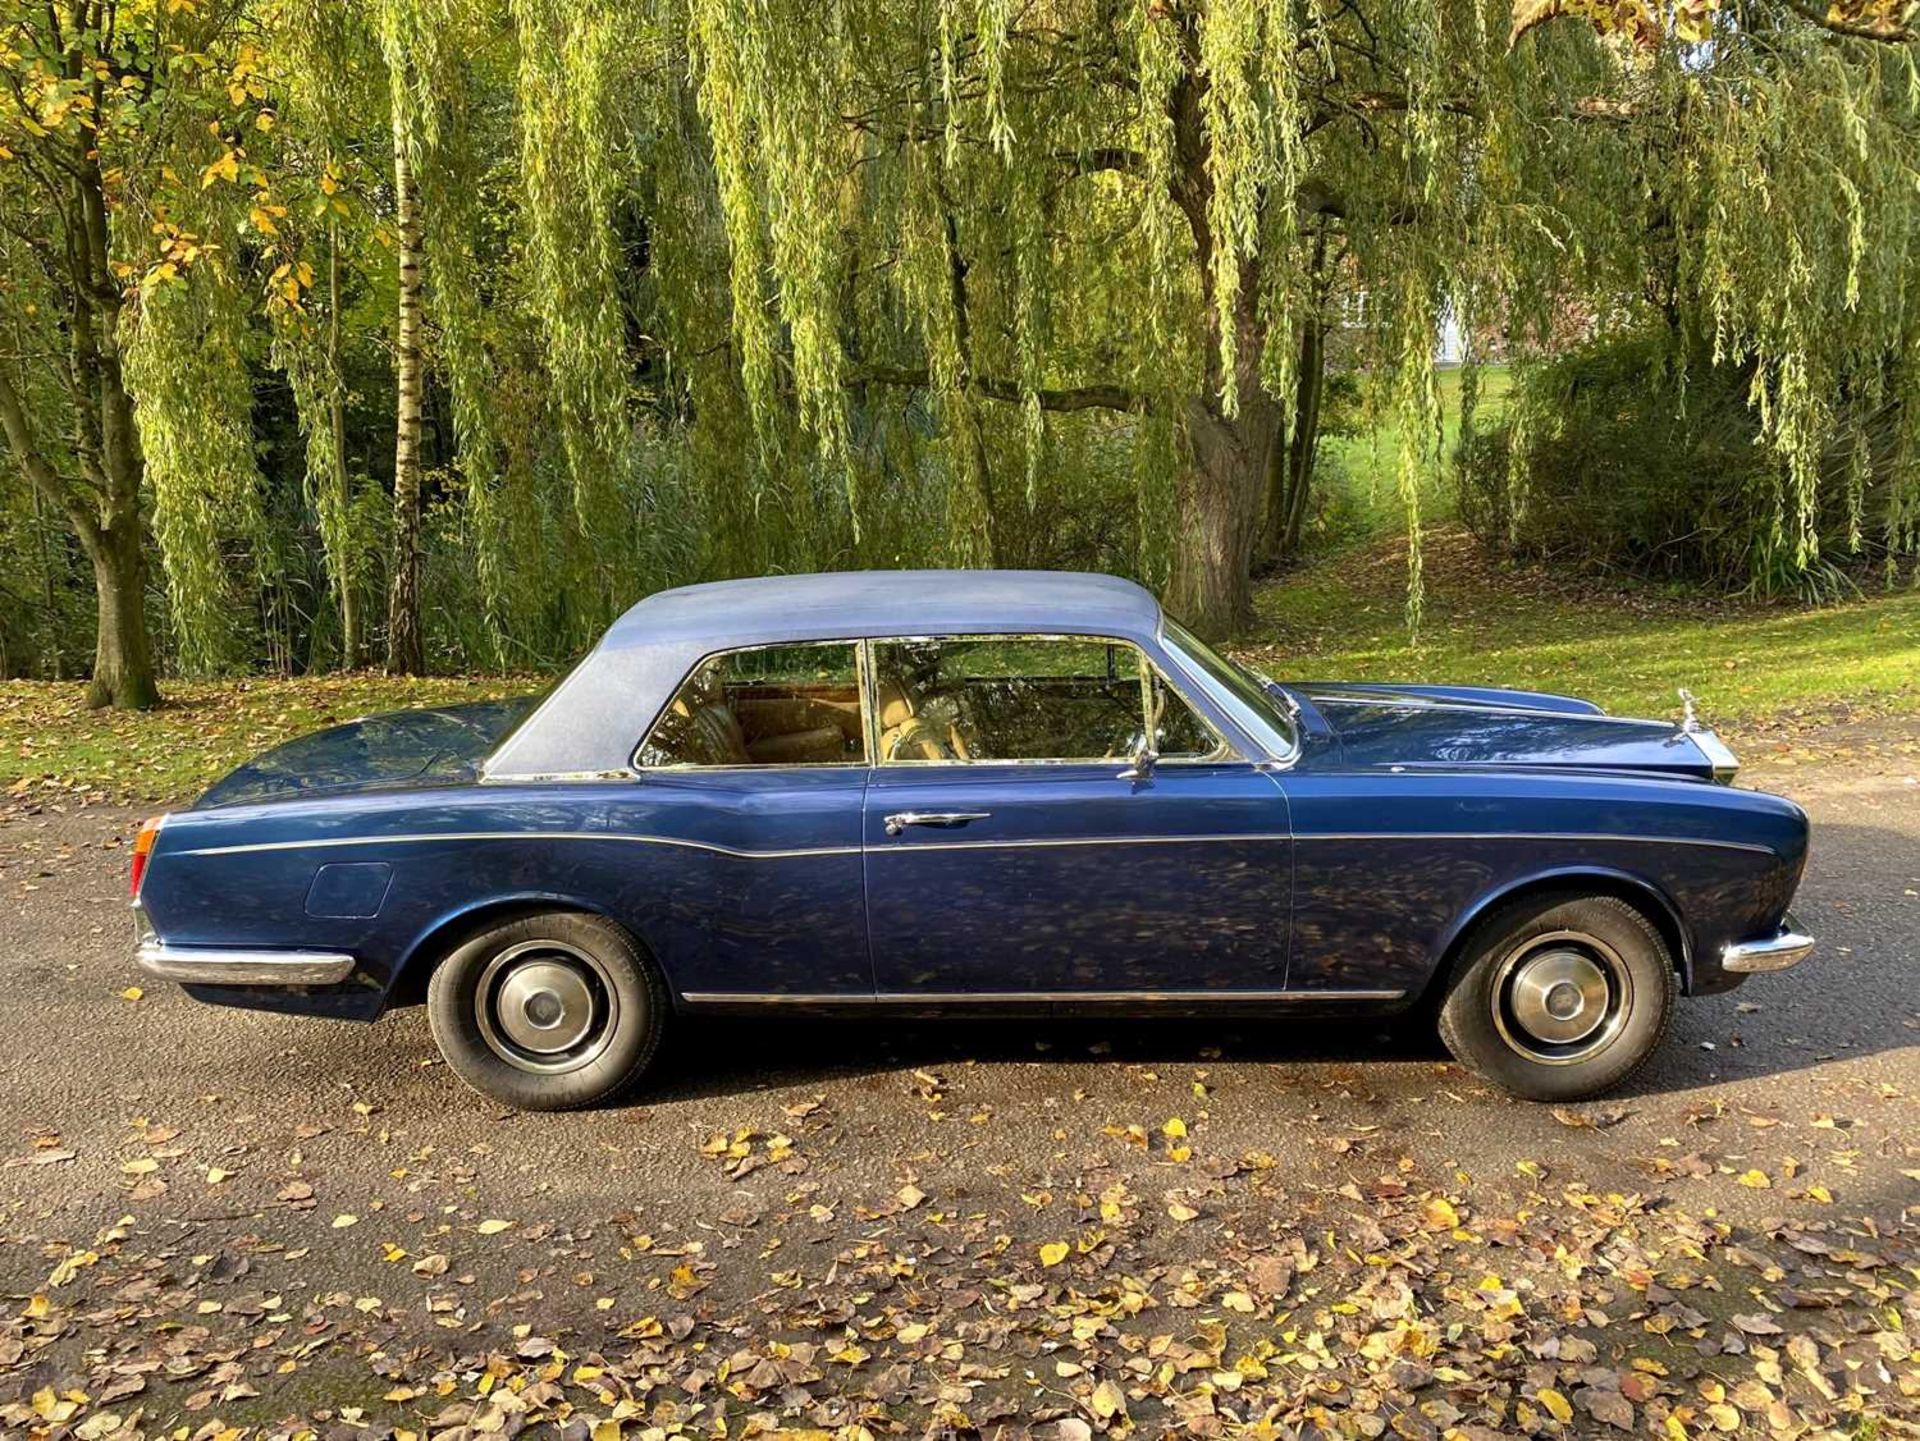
(306, 1219)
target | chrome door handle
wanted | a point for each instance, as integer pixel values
(900, 820)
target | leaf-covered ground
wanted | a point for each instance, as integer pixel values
(1154, 1285)
(237, 1227)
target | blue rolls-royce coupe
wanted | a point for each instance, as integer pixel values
(966, 792)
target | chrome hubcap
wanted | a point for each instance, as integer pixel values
(1559, 995)
(1562, 997)
(545, 1006)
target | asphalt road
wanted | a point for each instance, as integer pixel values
(273, 1158)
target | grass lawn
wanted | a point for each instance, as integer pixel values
(1344, 618)
(1339, 618)
(1367, 466)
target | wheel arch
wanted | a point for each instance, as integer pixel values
(447, 933)
(1635, 890)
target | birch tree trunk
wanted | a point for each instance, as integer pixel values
(404, 651)
(337, 415)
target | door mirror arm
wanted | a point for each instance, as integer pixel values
(1141, 766)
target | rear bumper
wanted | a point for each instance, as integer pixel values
(233, 965)
(224, 966)
(1786, 947)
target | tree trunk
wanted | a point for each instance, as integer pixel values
(100, 497)
(1305, 445)
(106, 518)
(337, 411)
(122, 662)
(1219, 491)
(1210, 590)
(1290, 467)
(404, 650)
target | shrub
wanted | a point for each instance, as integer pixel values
(1624, 456)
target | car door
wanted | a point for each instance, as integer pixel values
(1014, 851)
(743, 871)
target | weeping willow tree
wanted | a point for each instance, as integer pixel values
(560, 300)
(1142, 210)
(1771, 234)
(489, 213)
(1089, 207)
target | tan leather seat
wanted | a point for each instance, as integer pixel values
(904, 736)
(709, 735)
(822, 745)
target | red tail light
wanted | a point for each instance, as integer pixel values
(142, 848)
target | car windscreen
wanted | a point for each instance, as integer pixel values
(1258, 706)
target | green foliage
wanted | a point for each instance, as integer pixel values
(719, 286)
(188, 369)
(1636, 458)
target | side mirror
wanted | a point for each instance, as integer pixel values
(1141, 766)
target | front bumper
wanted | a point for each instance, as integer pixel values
(1786, 947)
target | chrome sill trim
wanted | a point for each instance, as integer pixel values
(225, 966)
(1776, 953)
(1002, 998)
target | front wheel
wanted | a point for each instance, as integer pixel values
(550, 1012)
(1560, 999)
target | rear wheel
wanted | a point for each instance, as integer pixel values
(549, 1012)
(1560, 998)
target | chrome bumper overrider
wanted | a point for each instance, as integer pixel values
(225, 966)
(1788, 948)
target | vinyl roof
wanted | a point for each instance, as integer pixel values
(591, 722)
(772, 609)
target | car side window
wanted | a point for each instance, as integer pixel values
(1026, 698)
(790, 705)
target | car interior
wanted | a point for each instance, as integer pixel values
(781, 705)
(966, 700)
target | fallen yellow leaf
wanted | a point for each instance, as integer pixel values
(1559, 1405)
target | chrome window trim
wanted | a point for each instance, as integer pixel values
(1282, 752)
(1223, 752)
(857, 644)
